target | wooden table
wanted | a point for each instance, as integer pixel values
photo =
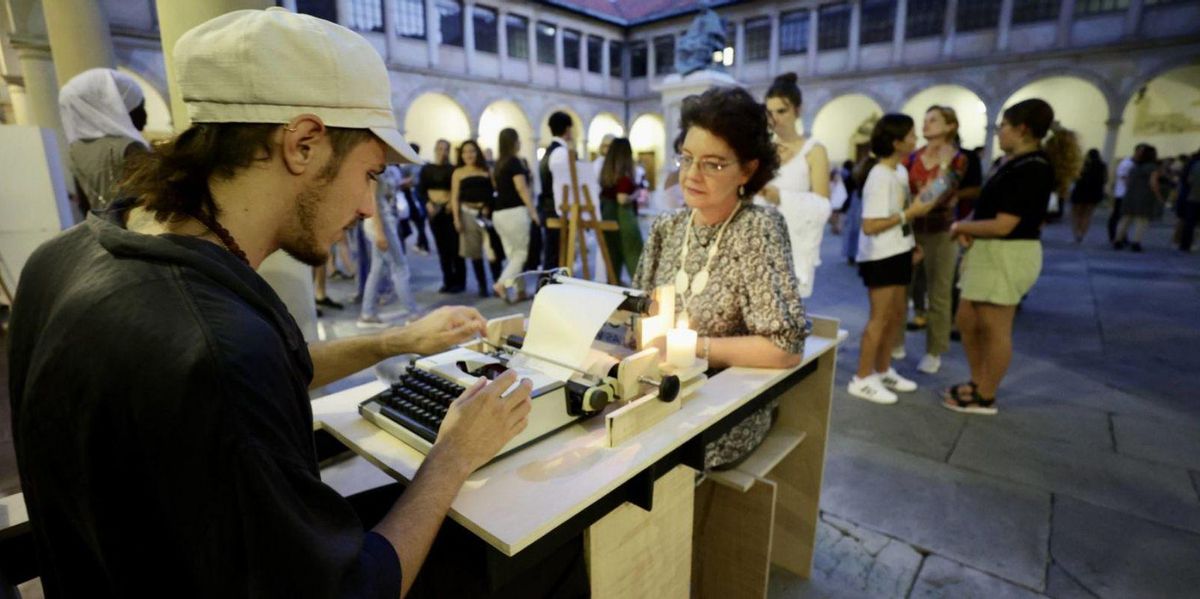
(635, 503)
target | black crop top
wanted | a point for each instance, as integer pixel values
(475, 189)
(435, 176)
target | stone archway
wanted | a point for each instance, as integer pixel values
(1065, 94)
(840, 124)
(1163, 112)
(576, 122)
(648, 136)
(604, 123)
(968, 106)
(432, 116)
(502, 114)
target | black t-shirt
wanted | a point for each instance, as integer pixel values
(1021, 187)
(506, 191)
(163, 429)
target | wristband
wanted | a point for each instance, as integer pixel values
(903, 219)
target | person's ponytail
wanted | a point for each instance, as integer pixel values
(1066, 158)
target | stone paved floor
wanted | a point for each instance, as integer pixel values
(1087, 484)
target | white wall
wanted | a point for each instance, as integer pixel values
(837, 121)
(33, 196)
(1167, 116)
(432, 117)
(1077, 104)
(500, 115)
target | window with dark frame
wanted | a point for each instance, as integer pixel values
(571, 49)
(616, 53)
(321, 9)
(925, 18)
(638, 55)
(833, 27)
(595, 56)
(1096, 7)
(487, 37)
(517, 31)
(758, 39)
(976, 15)
(877, 24)
(664, 55)
(410, 19)
(365, 15)
(1033, 11)
(545, 42)
(450, 13)
(793, 32)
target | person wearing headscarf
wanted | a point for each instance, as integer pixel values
(103, 113)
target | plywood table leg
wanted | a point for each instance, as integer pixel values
(633, 553)
(804, 407)
(733, 540)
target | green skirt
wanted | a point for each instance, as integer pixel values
(1000, 271)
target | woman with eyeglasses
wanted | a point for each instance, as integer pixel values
(729, 261)
(801, 189)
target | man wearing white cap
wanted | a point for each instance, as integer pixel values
(159, 386)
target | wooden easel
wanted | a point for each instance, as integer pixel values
(575, 206)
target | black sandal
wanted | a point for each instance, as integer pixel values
(976, 405)
(958, 390)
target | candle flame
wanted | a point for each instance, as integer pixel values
(682, 322)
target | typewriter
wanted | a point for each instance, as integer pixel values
(413, 407)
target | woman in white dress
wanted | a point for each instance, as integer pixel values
(800, 190)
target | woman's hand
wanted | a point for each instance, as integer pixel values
(964, 239)
(918, 255)
(770, 193)
(381, 243)
(458, 226)
(918, 209)
(533, 216)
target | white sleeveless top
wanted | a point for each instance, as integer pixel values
(793, 175)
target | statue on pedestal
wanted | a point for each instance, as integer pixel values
(697, 48)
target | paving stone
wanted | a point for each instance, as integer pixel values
(940, 577)
(925, 430)
(851, 561)
(1060, 584)
(937, 507)
(1196, 482)
(1055, 423)
(1155, 491)
(1158, 441)
(1114, 554)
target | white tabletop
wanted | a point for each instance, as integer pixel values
(514, 501)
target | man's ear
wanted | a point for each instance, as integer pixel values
(302, 144)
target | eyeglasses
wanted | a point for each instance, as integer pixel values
(708, 167)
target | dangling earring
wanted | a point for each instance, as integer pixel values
(741, 191)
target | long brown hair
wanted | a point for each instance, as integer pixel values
(172, 179)
(1062, 148)
(618, 162)
(507, 144)
(480, 161)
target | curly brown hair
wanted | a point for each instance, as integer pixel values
(172, 179)
(733, 115)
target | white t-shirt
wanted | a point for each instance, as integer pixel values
(1122, 179)
(884, 194)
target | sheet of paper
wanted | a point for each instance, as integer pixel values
(562, 324)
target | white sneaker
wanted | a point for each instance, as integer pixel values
(898, 353)
(871, 390)
(930, 364)
(893, 381)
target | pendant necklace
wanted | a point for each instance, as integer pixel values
(686, 287)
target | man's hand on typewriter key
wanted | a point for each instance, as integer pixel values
(437, 331)
(481, 421)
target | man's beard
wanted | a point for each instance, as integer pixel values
(301, 242)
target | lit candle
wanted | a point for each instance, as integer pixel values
(681, 347)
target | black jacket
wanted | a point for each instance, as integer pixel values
(163, 428)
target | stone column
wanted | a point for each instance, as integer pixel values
(1066, 15)
(20, 106)
(433, 32)
(533, 62)
(773, 46)
(391, 15)
(558, 54)
(606, 62)
(344, 8)
(289, 4)
(855, 34)
(79, 37)
(176, 18)
(1110, 140)
(1004, 25)
(584, 72)
(1133, 18)
(739, 49)
(651, 63)
(502, 40)
(949, 28)
(899, 32)
(813, 31)
(41, 86)
(469, 34)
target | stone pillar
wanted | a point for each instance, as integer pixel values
(813, 31)
(606, 62)
(1133, 18)
(1004, 25)
(651, 62)
(739, 49)
(79, 37)
(533, 61)
(289, 4)
(176, 18)
(583, 60)
(1066, 15)
(391, 15)
(773, 46)
(433, 32)
(1110, 141)
(558, 54)
(502, 40)
(20, 106)
(855, 34)
(949, 28)
(469, 34)
(344, 8)
(41, 86)
(899, 32)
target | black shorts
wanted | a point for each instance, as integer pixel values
(893, 270)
